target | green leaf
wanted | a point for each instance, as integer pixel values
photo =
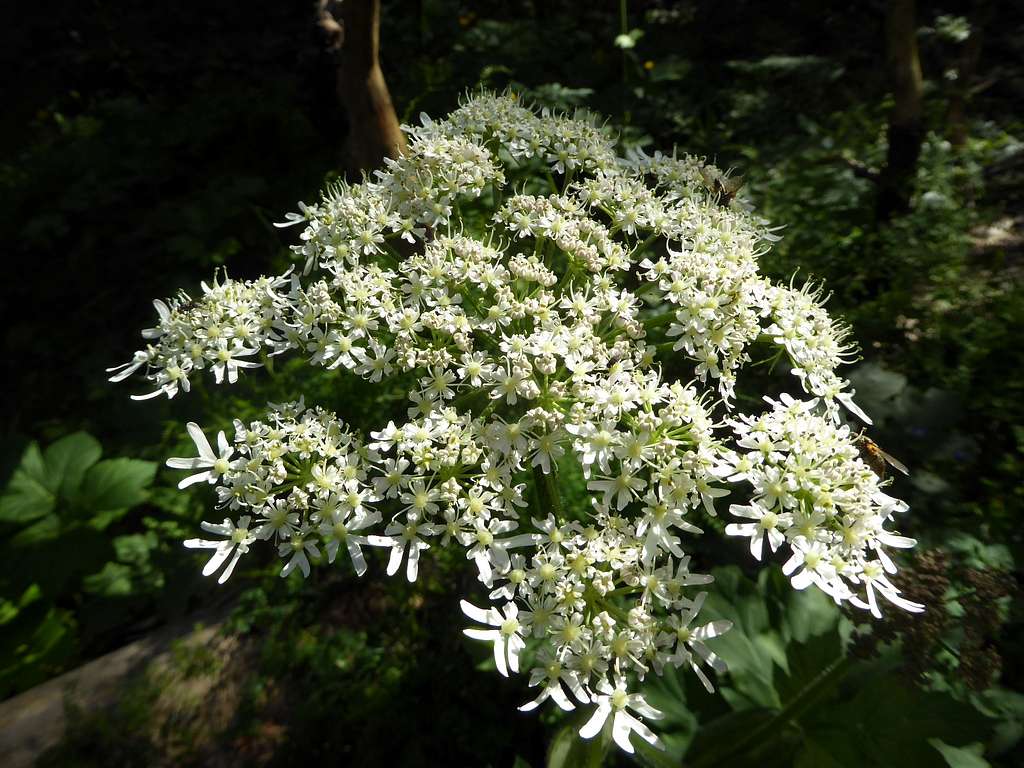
(889, 721)
(676, 729)
(114, 486)
(10, 609)
(717, 737)
(43, 478)
(134, 549)
(39, 532)
(806, 661)
(34, 647)
(961, 757)
(68, 459)
(819, 754)
(568, 750)
(808, 613)
(31, 492)
(115, 580)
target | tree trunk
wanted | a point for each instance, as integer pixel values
(373, 132)
(906, 126)
(966, 67)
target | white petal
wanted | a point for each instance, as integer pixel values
(802, 580)
(596, 722)
(395, 562)
(193, 479)
(202, 444)
(412, 566)
(231, 566)
(643, 731)
(202, 544)
(621, 731)
(218, 558)
(477, 614)
(358, 561)
(499, 657)
(183, 463)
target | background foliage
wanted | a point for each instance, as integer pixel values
(146, 145)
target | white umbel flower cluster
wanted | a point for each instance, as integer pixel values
(530, 282)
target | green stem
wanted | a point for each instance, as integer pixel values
(547, 490)
(659, 320)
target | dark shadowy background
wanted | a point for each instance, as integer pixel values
(147, 144)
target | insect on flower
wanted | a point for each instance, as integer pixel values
(876, 458)
(721, 185)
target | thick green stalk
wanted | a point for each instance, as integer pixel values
(547, 490)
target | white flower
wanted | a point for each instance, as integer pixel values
(554, 675)
(237, 541)
(873, 577)
(228, 359)
(214, 465)
(766, 526)
(689, 638)
(623, 487)
(615, 703)
(508, 642)
(524, 334)
(338, 531)
(298, 548)
(405, 538)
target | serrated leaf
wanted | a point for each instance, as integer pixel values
(806, 661)
(720, 734)
(67, 460)
(115, 484)
(37, 533)
(40, 639)
(809, 612)
(889, 721)
(134, 548)
(31, 492)
(819, 754)
(568, 750)
(961, 757)
(114, 580)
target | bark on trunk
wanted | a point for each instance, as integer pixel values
(374, 131)
(962, 89)
(906, 127)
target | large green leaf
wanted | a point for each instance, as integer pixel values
(31, 492)
(114, 580)
(752, 647)
(112, 487)
(889, 721)
(568, 750)
(44, 478)
(37, 533)
(806, 663)
(715, 741)
(68, 459)
(33, 646)
(961, 757)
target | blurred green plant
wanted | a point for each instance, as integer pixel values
(800, 695)
(54, 516)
